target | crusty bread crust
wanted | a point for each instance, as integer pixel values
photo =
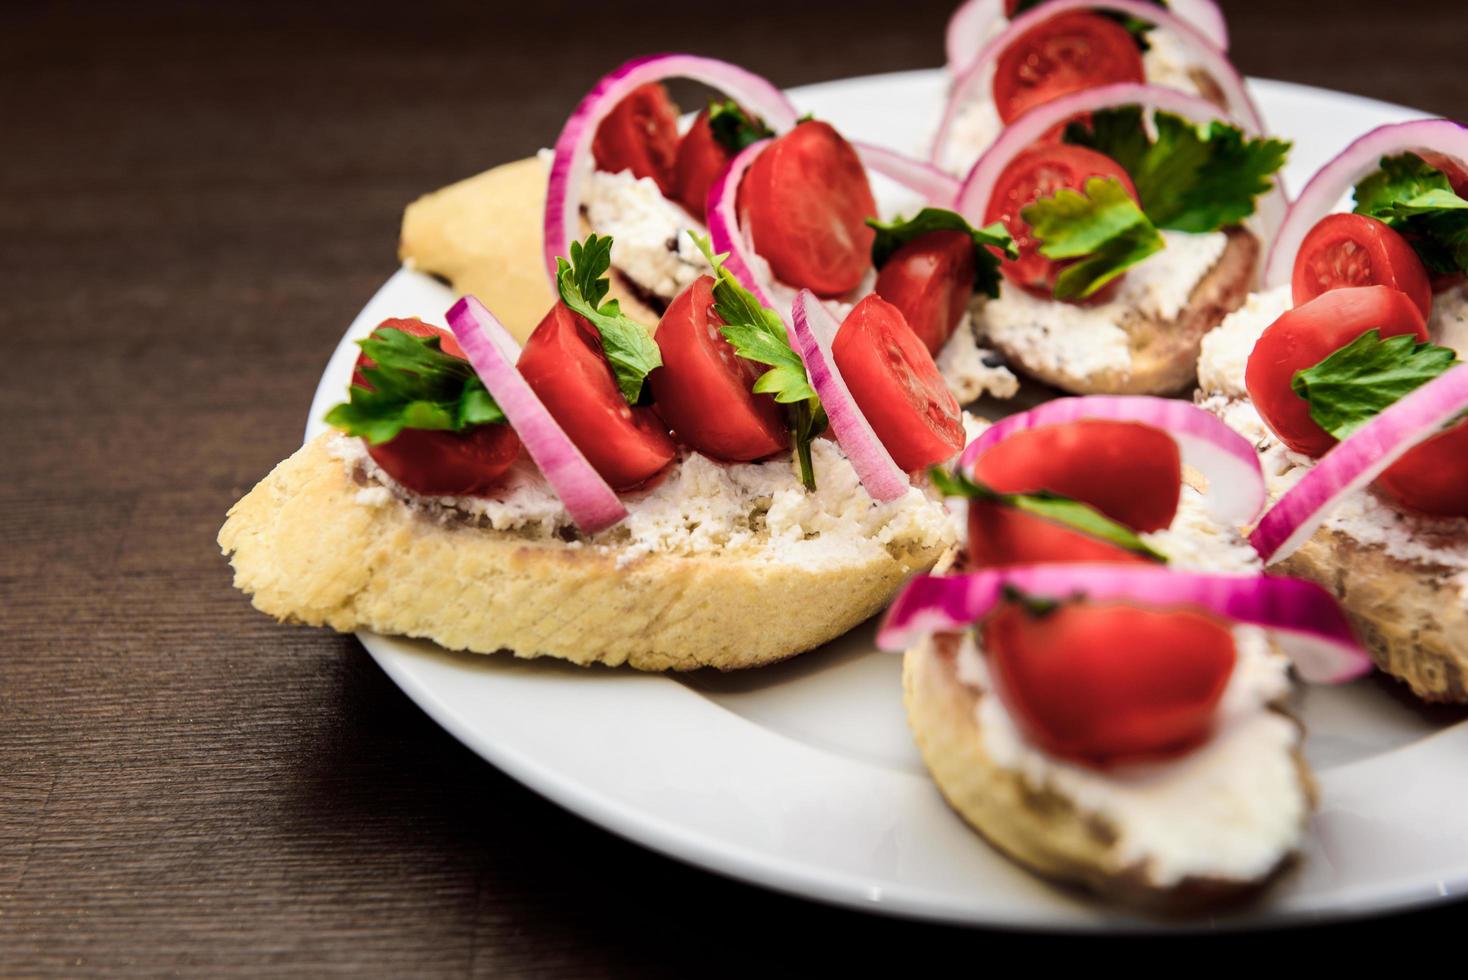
(1165, 352)
(309, 552)
(1037, 827)
(1410, 615)
(484, 236)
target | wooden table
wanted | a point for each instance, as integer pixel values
(196, 200)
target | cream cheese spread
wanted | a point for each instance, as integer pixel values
(972, 371)
(650, 241)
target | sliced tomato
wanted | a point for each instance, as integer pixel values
(897, 386)
(1354, 250)
(1130, 472)
(563, 362)
(1432, 477)
(804, 203)
(701, 159)
(931, 280)
(1069, 52)
(434, 462)
(703, 390)
(1039, 172)
(1105, 683)
(640, 135)
(1000, 535)
(1451, 167)
(1307, 335)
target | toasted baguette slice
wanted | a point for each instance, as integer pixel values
(1402, 579)
(1049, 832)
(1164, 353)
(310, 549)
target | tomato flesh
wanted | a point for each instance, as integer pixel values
(640, 135)
(434, 462)
(1109, 683)
(1305, 336)
(1354, 250)
(703, 390)
(701, 159)
(1000, 535)
(1070, 52)
(897, 386)
(1128, 471)
(931, 280)
(1432, 476)
(804, 203)
(1036, 173)
(564, 364)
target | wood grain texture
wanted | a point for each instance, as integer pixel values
(195, 200)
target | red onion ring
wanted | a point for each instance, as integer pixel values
(970, 24)
(1331, 182)
(1305, 620)
(592, 504)
(1236, 491)
(1020, 135)
(936, 186)
(1358, 460)
(573, 161)
(977, 79)
(814, 331)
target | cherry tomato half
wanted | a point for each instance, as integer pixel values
(1432, 476)
(640, 135)
(1354, 250)
(1130, 472)
(804, 203)
(897, 386)
(564, 364)
(1000, 535)
(703, 390)
(701, 159)
(931, 280)
(1307, 335)
(438, 463)
(1069, 52)
(1103, 683)
(1039, 172)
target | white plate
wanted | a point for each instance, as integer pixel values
(803, 776)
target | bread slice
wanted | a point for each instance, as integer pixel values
(1164, 353)
(1402, 579)
(1040, 826)
(314, 546)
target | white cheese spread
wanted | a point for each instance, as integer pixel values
(1231, 808)
(1362, 516)
(650, 241)
(971, 371)
(759, 510)
(1081, 341)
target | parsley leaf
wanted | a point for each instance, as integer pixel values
(892, 235)
(1104, 229)
(1416, 199)
(1353, 384)
(733, 128)
(1191, 178)
(1050, 506)
(413, 385)
(628, 344)
(758, 334)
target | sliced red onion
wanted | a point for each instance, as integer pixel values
(1235, 482)
(727, 237)
(973, 22)
(1323, 194)
(592, 504)
(1306, 622)
(814, 332)
(1020, 135)
(937, 187)
(573, 161)
(977, 80)
(1358, 460)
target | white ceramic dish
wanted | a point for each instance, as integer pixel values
(803, 777)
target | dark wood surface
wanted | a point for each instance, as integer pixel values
(195, 199)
